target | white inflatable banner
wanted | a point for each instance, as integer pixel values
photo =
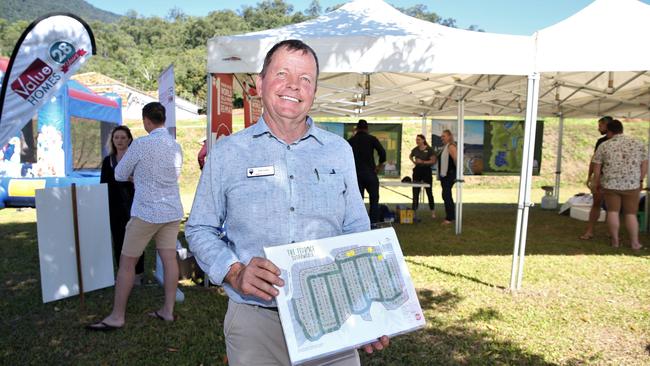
(50, 50)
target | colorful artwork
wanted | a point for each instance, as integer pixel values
(473, 160)
(51, 158)
(504, 144)
(388, 134)
(390, 137)
(491, 147)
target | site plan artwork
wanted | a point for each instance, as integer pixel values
(507, 146)
(343, 292)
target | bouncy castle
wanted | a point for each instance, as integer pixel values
(64, 143)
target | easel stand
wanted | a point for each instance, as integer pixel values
(75, 225)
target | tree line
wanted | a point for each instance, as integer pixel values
(136, 49)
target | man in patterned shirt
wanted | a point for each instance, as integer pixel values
(154, 163)
(624, 162)
(280, 181)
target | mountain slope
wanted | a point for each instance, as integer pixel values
(29, 10)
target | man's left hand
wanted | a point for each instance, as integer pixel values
(379, 345)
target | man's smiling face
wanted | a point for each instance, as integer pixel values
(288, 87)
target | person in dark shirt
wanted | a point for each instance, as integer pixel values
(363, 147)
(423, 157)
(596, 192)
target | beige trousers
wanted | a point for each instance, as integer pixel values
(254, 337)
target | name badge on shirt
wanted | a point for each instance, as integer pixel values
(260, 171)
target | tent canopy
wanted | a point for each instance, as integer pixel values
(377, 61)
(595, 63)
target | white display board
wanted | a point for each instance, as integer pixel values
(343, 292)
(56, 247)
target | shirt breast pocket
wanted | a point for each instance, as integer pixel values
(327, 192)
(254, 198)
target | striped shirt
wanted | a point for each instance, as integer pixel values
(267, 192)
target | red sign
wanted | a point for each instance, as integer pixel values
(252, 106)
(37, 74)
(222, 93)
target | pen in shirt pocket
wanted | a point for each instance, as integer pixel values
(317, 176)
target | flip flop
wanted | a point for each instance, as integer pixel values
(636, 249)
(101, 327)
(586, 236)
(157, 315)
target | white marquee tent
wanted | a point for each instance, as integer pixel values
(376, 61)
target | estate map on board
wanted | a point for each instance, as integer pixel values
(343, 292)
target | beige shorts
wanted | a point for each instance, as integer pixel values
(139, 233)
(617, 199)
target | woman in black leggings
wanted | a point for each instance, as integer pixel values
(423, 157)
(447, 173)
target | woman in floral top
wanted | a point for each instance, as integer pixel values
(624, 163)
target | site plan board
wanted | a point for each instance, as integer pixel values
(343, 292)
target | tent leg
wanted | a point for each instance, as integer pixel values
(208, 113)
(558, 163)
(524, 203)
(424, 125)
(460, 166)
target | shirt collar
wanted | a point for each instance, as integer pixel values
(261, 128)
(158, 130)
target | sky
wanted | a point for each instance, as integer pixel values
(522, 17)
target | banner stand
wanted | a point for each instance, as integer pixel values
(75, 225)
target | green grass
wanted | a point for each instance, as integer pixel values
(582, 302)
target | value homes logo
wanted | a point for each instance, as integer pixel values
(34, 83)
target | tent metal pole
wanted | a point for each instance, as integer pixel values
(208, 115)
(460, 166)
(424, 124)
(524, 203)
(558, 164)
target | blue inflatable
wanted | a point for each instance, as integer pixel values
(64, 144)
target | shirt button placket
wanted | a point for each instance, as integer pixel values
(292, 204)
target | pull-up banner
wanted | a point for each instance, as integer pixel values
(49, 51)
(221, 119)
(252, 105)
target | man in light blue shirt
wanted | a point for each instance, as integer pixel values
(283, 180)
(154, 163)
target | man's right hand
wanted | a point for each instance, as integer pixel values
(255, 279)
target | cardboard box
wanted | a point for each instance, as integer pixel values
(405, 215)
(581, 213)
